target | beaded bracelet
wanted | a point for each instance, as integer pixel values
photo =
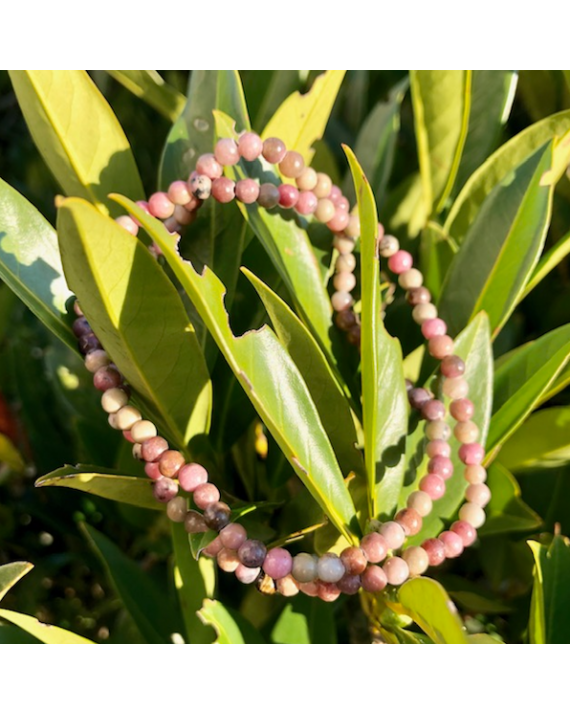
(329, 575)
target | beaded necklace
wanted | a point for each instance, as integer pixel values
(380, 559)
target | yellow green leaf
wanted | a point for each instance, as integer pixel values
(48, 634)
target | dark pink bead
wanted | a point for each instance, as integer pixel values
(471, 454)
(442, 466)
(374, 579)
(191, 476)
(440, 346)
(374, 547)
(452, 366)
(288, 195)
(434, 410)
(106, 378)
(165, 489)
(452, 544)
(349, 584)
(233, 536)
(226, 152)
(205, 495)
(435, 551)
(410, 520)
(250, 146)
(339, 221)
(207, 165)
(306, 203)
(152, 471)
(223, 189)
(433, 485)
(465, 531)
(354, 560)
(153, 448)
(278, 563)
(462, 409)
(400, 262)
(418, 397)
(274, 150)
(160, 206)
(438, 447)
(434, 328)
(247, 190)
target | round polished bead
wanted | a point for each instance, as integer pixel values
(179, 193)
(233, 536)
(343, 244)
(455, 388)
(440, 346)
(418, 296)
(324, 186)
(274, 150)
(353, 228)
(191, 476)
(151, 468)
(411, 279)
(410, 520)
(423, 312)
(345, 320)
(339, 221)
(434, 328)
(170, 463)
(373, 579)
(128, 224)
(462, 409)
(354, 335)
(341, 301)
(226, 152)
(207, 165)
(325, 210)
(433, 410)
(182, 217)
(223, 189)
(442, 466)
(328, 592)
(88, 343)
(465, 531)
(193, 204)
(349, 584)
(142, 430)
(278, 563)
(252, 553)
(288, 195)
(177, 509)
(418, 397)
(304, 568)
(345, 263)
(439, 430)
(194, 522)
(310, 589)
(250, 146)
(388, 246)
(394, 534)
(113, 399)
(438, 448)
(153, 449)
(307, 180)
(127, 417)
(330, 568)
(416, 559)
(217, 515)
(268, 195)
(344, 282)
(471, 453)
(475, 473)
(247, 575)
(81, 327)
(400, 262)
(354, 560)
(200, 186)
(306, 203)
(247, 191)
(213, 548)
(396, 570)
(433, 485)
(107, 377)
(335, 194)
(478, 493)
(466, 432)
(96, 359)
(473, 514)
(228, 560)
(205, 495)
(452, 544)
(160, 206)
(292, 165)
(421, 502)
(374, 547)
(287, 586)
(435, 551)
(165, 489)
(342, 204)
(452, 366)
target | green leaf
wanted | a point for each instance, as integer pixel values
(77, 134)
(548, 262)
(231, 628)
(48, 634)
(506, 512)
(12, 635)
(30, 263)
(146, 332)
(502, 163)
(437, 251)
(306, 621)
(441, 100)
(483, 639)
(10, 456)
(543, 441)
(427, 603)
(523, 380)
(384, 400)
(123, 489)
(549, 616)
(148, 85)
(319, 377)
(10, 574)
(270, 379)
(280, 84)
(150, 610)
(501, 248)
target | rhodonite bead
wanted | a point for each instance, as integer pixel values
(325, 210)
(442, 466)
(304, 568)
(323, 186)
(345, 263)
(233, 536)
(433, 328)
(418, 296)
(307, 180)
(400, 262)
(310, 589)
(268, 195)
(393, 533)
(151, 469)
(475, 473)
(217, 515)
(435, 551)
(177, 509)
(179, 193)
(247, 191)
(349, 584)
(452, 544)
(471, 453)
(373, 579)
(374, 547)
(213, 548)
(182, 217)
(288, 195)
(278, 563)
(292, 165)
(328, 592)
(207, 165)
(287, 586)
(306, 203)
(194, 522)
(462, 409)
(410, 520)
(252, 553)
(433, 410)
(191, 476)
(170, 462)
(128, 224)
(227, 560)
(440, 346)
(345, 282)
(96, 359)
(438, 447)
(418, 397)
(433, 485)
(396, 570)
(465, 531)
(466, 432)
(81, 327)
(205, 495)
(341, 300)
(250, 146)
(335, 194)
(165, 489)
(438, 430)
(223, 189)
(330, 568)
(478, 493)
(88, 343)
(247, 575)
(226, 152)
(339, 221)
(160, 206)
(455, 388)
(473, 514)
(416, 559)
(107, 377)
(421, 502)
(274, 150)
(152, 449)
(452, 366)
(388, 246)
(354, 560)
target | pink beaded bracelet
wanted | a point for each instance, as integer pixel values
(329, 575)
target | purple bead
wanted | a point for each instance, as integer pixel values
(433, 485)
(471, 454)
(252, 553)
(217, 515)
(400, 262)
(349, 584)
(438, 447)
(452, 544)
(250, 146)
(88, 343)
(247, 191)
(278, 563)
(306, 203)
(435, 551)
(465, 531)
(153, 448)
(433, 328)
(191, 476)
(165, 489)
(452, 366)
(226, 152)
(223, 189)
(288, 195)
(107, 378)
(418, 397)
(433, 410)
(208, 166)
(442, 466)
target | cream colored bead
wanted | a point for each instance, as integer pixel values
(323, 187)
(353, 228)
(388, 246)
(96, 359)
(113, 421)
(143, 430)
(307, 180)
(114, 399)
(344, 281)
(455, 387)
(412, 278)
(345, 263)
(137, 452)
(417, 560)
(438, 429)
(478, 493)
(325, 210)
(475, 473)
(421, 502)
(473, 514)
(424, 311)
(343, 244)
(466, 432)
(126, 417)
(287, 586)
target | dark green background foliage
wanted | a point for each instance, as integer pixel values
(469, 169)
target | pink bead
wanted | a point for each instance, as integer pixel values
(223, 189)
(144, 206)
(128, 437)
(274, 150)
(247, 575)
(128, 224)
(452, 544)
(462, 409)
(343, 205)
(227, 560)
(160, 206)
(208, 166)
(433, 485)
(393, 533)
(433, 410)
(213, 548)
(435, 551)
(452, 366)
(440, 346)
(397, 570)
(191, 476)
(226, 152)
(310, 589)
(374, 547)
(400, 262)
(475, 474)
(179, 193)
(410, 520)
(465, 531)
(250, 146)
(340, 220)
(152, 470)
(233, 536)
(205, 495)
(471, 454)
(478, 493)
(288, 195)
(335, 194)
(328, 592)
(434, 328)
(438, 447)
(373, 579)
(306, 202)
(278, 563)
(247, 191)
(153, 448)
(442, 466)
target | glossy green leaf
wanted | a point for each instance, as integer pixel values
(281, 84)
(231, 628)
(384, 400)
(302, 119)
(10, 574)
(48, 634)
(473, 345)
(116, 487)
(30, 263)
(77, 134)
(549, 615)
(148, 85)
(523, 380)
(146, 332)
(492, 95)
(542, 92)
(323, 384)
(500, 165)
(547, 263)
(437, 251)
(305, 621)
(506, 512)
(441, 100)
(271, 380)
(483, 639)
(543, 441)
(501, 248)
(147, 605)
(427, 603)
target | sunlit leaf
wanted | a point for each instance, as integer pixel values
(10, 574)
(549, 616)
(48, 634)
(230, 627)
(506, 512)
(148, 85)
(551, 258)
(306, 621)
(437, 251)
